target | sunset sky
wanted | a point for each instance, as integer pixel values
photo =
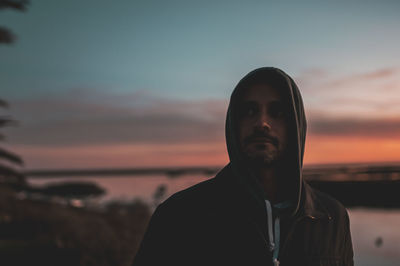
(146, 83)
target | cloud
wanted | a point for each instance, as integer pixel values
(90, 118)
(123, 155)
(354, 127)
(376, 75)
(312, 79)
(371, 94)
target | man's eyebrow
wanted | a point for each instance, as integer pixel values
(249, 102)
(277, 101)
(274, 101)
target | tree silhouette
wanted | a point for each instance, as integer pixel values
(6, 36)
(9, 160)
(72, 190)
(159, 194)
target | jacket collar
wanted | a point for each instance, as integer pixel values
(311, 206)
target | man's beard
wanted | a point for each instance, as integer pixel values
(261, 154)
(262, 157)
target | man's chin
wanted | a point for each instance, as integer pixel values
(262, 159)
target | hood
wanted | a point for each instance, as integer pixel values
(297, 124)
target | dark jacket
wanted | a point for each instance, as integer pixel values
(223, 221)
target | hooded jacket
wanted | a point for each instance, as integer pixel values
(228, 220)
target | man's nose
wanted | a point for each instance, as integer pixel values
(262, 122)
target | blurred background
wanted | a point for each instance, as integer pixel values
(107, 108)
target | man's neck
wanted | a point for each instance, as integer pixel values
(268, 179)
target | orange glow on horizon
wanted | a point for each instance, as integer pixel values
(332, 149)
(319, 150)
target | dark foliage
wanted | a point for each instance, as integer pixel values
(72, 190)
(20, 5)
(10, 157)
(159, 194)
(9, 162)
(43, 233)
(6, 36)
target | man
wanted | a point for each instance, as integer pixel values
(257, 210)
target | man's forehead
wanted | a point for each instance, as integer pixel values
(261, 92)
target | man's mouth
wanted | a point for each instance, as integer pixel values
(262, 140)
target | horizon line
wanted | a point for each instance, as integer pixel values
(172, 171)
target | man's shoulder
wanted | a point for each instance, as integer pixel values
(329, 205)
(200, 195)
(198, 191)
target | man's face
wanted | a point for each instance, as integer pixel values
(262, 125)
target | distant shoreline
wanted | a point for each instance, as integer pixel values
(340, 172)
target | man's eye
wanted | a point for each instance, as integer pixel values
(277, 111)
(249, 111)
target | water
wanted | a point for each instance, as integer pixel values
(376, 236)
(375, 232)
